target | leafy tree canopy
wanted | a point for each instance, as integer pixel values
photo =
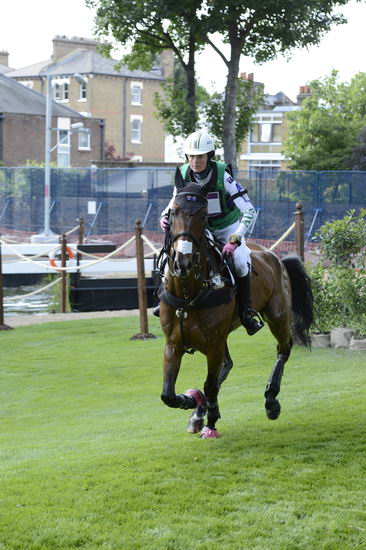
(324, 132)
(257, 29)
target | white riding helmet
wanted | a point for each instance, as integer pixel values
(198, 143)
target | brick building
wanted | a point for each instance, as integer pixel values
(22, 129)
(123, 98)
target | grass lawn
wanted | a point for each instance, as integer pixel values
(91, 458)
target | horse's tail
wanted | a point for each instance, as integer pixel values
(302, 299)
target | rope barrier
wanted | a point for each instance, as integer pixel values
(7, 298)
(286, 233)
(73, 268)
(72, 230)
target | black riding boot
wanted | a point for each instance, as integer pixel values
(156, 311)
(246, 313)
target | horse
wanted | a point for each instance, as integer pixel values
(198, 308)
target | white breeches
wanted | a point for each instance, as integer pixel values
(242, 259)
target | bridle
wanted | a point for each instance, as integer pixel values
(197, 242)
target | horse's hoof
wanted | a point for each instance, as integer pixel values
(195, 424)
(273, 409)
(209, 433)
(197, 395)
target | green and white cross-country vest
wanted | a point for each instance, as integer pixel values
(229, 213)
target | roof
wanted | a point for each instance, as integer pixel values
(278, 99)
(17, 98)
(5, 69)
(84, 62)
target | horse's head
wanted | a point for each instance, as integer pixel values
(188, 221)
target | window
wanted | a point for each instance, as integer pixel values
(82, 92)
(266, 132)
(63, 148)
(57, 92)
(265, 136)
(61, 91)
(84, 138)
(136, 93)
(136, 129)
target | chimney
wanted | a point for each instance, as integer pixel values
(63, 45)
(304, 92)
(4, 58)
(167, 63)
(243, 76)
(251, 76)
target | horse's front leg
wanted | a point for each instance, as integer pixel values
(172, 360)
(215, 361)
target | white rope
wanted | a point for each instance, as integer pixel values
(73, 268)
(7, 298)
(291, 228)
(146, 240)
(47, 253)
(72, 230)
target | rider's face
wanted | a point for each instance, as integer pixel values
(198, 162)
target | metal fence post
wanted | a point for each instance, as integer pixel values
(63, 274)
(299, 231)
(2, 324)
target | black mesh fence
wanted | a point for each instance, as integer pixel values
(111, 199)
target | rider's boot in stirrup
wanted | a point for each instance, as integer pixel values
(156, 311)
(246, 313)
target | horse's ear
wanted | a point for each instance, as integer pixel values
(179, 181)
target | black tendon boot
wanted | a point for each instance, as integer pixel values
(246, 313)
(156, 311)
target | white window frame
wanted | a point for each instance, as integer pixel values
(63, 149)
(84, 133)
(136, 119)
(136, 86)
(61, 89)
(83, 92)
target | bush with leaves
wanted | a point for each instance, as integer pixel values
(340, 288)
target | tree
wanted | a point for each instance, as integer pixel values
(173, 109)
(151, 26)
(250, 97)
(324, 134)
(261, 30)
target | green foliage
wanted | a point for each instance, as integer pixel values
(91, 458)
(340, 287)
(325, 131)
(342, 241)
(250, 97)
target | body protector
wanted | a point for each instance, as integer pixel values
(222, 210)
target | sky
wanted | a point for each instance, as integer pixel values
(27, 28)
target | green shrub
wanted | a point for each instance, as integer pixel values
(340, 288)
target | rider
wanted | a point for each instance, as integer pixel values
(230, 213)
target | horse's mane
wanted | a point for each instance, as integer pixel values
(191, 198)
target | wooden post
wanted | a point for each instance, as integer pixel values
(63, 274)
(299, 231)
(141, 284)
(3, 326)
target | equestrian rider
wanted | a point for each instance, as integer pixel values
(230, 213)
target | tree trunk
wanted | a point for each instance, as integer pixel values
(191, 84)
(231, 95)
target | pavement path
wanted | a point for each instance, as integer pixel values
(24, 320)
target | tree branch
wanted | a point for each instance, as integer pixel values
(209, 41)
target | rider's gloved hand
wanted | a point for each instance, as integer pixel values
(229, 249)
(164, 223)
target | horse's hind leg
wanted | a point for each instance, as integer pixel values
(281, 330)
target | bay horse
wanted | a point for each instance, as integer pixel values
(198, 308)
